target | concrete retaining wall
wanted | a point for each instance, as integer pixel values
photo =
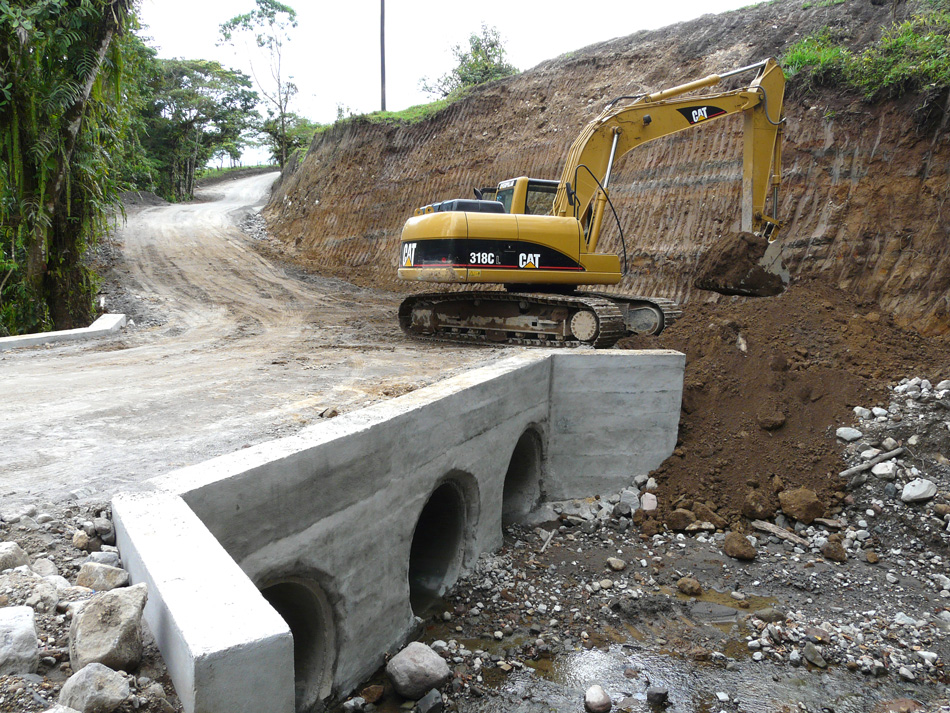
(106, 324)
(342, 525)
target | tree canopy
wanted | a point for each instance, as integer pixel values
(482, 61)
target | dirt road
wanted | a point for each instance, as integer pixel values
(229, 350)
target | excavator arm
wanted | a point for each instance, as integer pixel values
(585, 179)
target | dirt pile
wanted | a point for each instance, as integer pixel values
(767, 383)
(863, 193)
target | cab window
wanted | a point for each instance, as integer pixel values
(540, 199)
(504, 196)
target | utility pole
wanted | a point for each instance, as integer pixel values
(382, 53)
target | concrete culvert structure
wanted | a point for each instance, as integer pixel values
(302, 604)
(522, 491)
(437, 551)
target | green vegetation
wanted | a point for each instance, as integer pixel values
(911, 56)
(63, 110)
(482, 61)
(822, 3)
(207, 173)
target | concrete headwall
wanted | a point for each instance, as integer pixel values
(345, 526)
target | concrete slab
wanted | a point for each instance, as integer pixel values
(106, 324)
(345, 524)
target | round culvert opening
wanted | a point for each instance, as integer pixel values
(522, 490)
(436, 554)
(304, 607)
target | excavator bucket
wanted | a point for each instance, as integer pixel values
(743, 264)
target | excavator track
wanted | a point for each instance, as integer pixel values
(531, 319)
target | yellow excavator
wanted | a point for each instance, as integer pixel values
(539, 238)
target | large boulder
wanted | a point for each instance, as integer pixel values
(19, 650)
(108, 630)
(417, 669)
(802, 504)
(95, 689)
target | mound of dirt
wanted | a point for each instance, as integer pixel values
(767, 383)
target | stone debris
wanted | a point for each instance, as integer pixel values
(19, 652)
(596, 700)
(417, 669)
(95, 689)
(102, 577)
(108, 629)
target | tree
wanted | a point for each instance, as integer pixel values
(269, 24)
(297, 134)
(482, 61)
(61, 114)
(196, 110)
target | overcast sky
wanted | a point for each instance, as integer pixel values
(333, 55)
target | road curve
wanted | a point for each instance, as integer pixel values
(243, 350)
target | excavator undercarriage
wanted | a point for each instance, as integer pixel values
(534, 319)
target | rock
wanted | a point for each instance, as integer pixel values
(430, 702)
(706, 514)
(848, 434)
(862, 412)
(108, 629)
(43, 597)
(886, 470)
(596, 700)
(770, 419)
(657, 696)
(689, 586)
(758, 505)
(918, 490)
(354, 705)
(417, 669)
(872, 557)
(813, 655)
(372, 694)
(83, 541)
(58, 708)
(44, 567)
(680, 519)
(834, 551)
(101, 577)
(12, 555)
(95, 689)
(802, 504)
(616, 564)
(648, 502)
(738, 547)
(770, 615)
(19, 650)
(109, 558)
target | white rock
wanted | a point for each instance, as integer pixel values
(596, 700)
(879, 412)
(648, 502)
(862, 412)
(12, 555)
(886, 470)
(943, 385)
(417, 669)
(95, 689)
(19, 650)
(845, 433)
(928, 656)
(870, 453)
(918, 490)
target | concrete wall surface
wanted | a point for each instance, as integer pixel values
(348, 526)
(106, 324)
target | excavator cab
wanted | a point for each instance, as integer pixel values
(527, 196)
